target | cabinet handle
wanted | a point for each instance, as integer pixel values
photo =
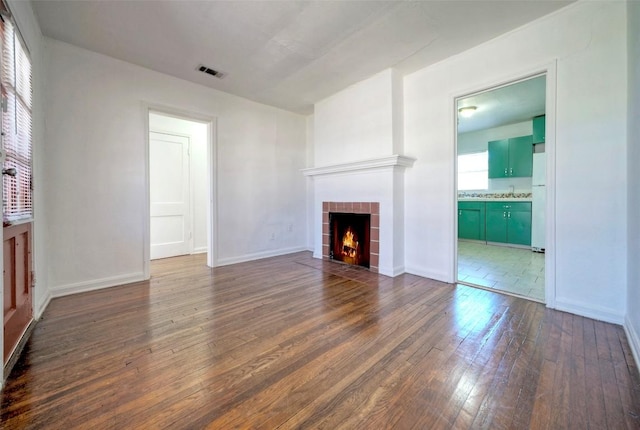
(504, 214)
(508, 214)
(505, 171)
(511, 171)
(459, 213)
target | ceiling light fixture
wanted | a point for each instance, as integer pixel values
(467, 111)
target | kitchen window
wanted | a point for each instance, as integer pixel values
(473, 171)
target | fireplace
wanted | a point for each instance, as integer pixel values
(349, 236)
(351, 233)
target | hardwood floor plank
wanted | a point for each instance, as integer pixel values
(294, 342)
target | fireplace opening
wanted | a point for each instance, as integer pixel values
(350, 238)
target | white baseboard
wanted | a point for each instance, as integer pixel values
(391, 272)
(96, 284)
(40, 307)
(200, 250)
(259, 255)
(634, 340)
(437, 276)
(586, 310)
(398, 270)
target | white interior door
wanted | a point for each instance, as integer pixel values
(170, 222)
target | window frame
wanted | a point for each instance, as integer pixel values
(16, 91)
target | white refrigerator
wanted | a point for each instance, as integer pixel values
(538, 202)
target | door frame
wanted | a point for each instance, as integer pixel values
(212, 182)
(550, 70)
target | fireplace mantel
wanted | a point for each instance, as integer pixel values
(373, 163)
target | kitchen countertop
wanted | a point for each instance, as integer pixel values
(495, 197)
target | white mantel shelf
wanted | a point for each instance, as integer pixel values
(374, 163)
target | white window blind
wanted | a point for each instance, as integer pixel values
(473, 171)
(15, 84)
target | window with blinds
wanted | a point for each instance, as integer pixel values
(15, 85)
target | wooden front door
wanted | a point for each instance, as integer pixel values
(18, 310)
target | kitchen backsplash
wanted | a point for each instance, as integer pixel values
(502, 195)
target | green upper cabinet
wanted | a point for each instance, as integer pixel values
(471, 220)
(511, 158)
(498, 158)
(539, 124)
(521, 157)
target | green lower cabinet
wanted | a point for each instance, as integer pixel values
(519, 226)
(509, 222)
(496, 223)
(471, 220)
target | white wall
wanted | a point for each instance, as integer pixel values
(359, 122)
(477, 141)
(632, 323)
(96, 153)
(197, 133)
(587, 43)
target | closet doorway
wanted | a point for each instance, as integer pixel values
(178, 185)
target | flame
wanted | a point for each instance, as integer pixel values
(350, 243)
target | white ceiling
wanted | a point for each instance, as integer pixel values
(288, 54)
(510, 104)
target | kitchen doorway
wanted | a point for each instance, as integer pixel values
(501, 188)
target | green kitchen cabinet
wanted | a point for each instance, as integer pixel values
(508, 222)
(519, 225)
(521, 157)
(539, 124)
(471, 220)
(496, 223)
(511, 158)
(499, 158)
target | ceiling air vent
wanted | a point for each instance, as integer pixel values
(205, 69)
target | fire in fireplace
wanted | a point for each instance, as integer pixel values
(349, 238)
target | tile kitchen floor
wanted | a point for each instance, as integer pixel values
(514, 270)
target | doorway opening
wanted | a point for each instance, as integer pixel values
(501, 188)
(180, 187)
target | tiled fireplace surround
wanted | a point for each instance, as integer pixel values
(374, 186)
(371, 208)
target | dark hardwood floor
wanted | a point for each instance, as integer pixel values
(293, 342)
